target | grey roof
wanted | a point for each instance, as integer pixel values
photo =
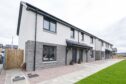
(41, 12)
(77, 44)
(1, 45)
(10, 46)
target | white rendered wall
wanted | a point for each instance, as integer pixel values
(26, 27)
(27, 32)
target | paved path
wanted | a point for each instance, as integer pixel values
(60, 75)
(10, 74)
(89, 68)
(2, 74)
(1, 67)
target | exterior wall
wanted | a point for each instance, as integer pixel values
(84, 55)
(104, 47)
(98, 49)
(90, 59)
(26, 42)
(86, 40)
(98, 45)
(98, 55)
(103, 55)
(28, 24)
(26, 27)
(60, 56)
(69, 56)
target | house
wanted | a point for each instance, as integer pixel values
(48, 41)
(11, 46)
(1, 46)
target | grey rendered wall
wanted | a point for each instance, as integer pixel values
(60, 59)
(103, 55)
(69, 55)
(84, 55)
(91, 59)
(98, 55)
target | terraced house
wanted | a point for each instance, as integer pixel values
(48, 41)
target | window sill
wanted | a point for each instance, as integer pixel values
(45, 30)
(48, 62)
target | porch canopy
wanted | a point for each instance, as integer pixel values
(77, 44)
(107, 50)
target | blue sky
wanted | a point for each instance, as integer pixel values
(103, 18)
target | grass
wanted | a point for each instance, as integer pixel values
(115, 74)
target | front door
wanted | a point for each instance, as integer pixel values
(86, 55)
(74, 55)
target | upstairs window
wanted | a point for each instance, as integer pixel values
(91, 38)
(82, 36)
(49, 25)
(102, 43)
(46, 24)
(107, 46)
(72, 33)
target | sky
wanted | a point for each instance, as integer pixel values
(105, 19)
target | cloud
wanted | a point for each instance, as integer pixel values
(116, 34)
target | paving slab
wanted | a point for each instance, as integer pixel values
(11, 74)
(1, 67)
(2, 77)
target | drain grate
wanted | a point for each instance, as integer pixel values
(17, 78)
(32, 75)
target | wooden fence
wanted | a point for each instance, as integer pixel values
(0, 50)
(13, 58)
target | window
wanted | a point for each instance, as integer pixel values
(107, 45)
(49, 25)
(49, 53)
(46, 24)
(82, 35)
(91, 54)
(72, 33)
(110, 46)
(102, 43)
(91, 39)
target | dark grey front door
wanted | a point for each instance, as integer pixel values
(81, 55)
(74, 55)
(86, 55)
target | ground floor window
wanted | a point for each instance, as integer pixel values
(49, 53)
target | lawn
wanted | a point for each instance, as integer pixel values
(115, 74)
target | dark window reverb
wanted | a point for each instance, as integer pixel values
(102, 43)
(49, 24)
(72, 33)
(49, 53)
(91, 39)
(82, 36)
